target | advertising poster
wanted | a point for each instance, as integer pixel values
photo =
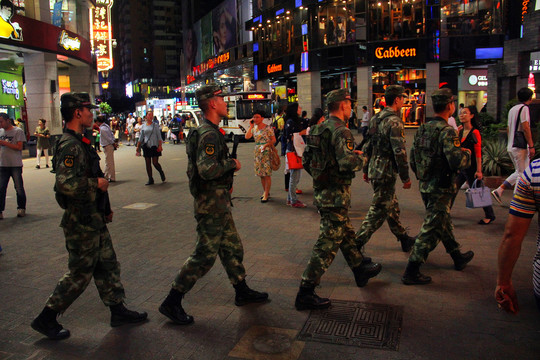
(192, 46)
(206, 37)
(224, 24)
(11, 84)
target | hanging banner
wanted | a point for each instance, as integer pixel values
(101, 34)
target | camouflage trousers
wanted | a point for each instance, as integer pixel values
(336, 232)
(216, 235)
(384, 206)
(437, 227)
(91, 253)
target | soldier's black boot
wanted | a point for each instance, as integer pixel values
(413, 276)
(406, 241)
(461, 259)
(245, 295)
(172, 308)
(307, 299)
(365, 272)
(46, 324)
(120, 315)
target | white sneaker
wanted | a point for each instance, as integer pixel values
(21, 212)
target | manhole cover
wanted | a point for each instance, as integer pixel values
(375, 326)
(272, 343)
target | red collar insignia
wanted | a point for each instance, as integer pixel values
(86, 140)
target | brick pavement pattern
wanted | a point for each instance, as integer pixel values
(455, 317)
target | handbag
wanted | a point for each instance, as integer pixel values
(275, 161)
(478, 195)
(519, 137)
(299, 144)
(294, 161)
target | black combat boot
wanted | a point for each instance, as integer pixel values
(120, 315)
(413, 276)
(172, 308)
(365, 272)
(46, 324)
(307, 299)
(245, 295)
(406, 241)
(461, 259)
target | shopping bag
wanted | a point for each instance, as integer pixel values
(294, 161)
(477, 196)
(299, 144)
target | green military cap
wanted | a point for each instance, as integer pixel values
(338, 95)
(207, 92)
(395, 90)
(76, 100)
(442, 96)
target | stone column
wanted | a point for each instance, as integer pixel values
(364, 83)
(43, 100)
(432, 84)
(309, 91)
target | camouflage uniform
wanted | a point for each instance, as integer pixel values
(210, 172)
(88, 242)
(332, 193)
(387, 159)
(437, 186)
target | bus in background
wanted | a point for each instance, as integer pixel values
(240, 106)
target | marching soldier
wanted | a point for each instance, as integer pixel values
(436, 158)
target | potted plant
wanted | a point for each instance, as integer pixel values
(496, 162)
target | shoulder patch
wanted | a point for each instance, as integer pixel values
(350, 144)
(210, 149)
(457, 143)
(69, 161)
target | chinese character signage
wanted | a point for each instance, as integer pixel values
(101, 34)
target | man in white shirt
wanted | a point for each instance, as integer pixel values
(518, 119)
(106, 140)
(364, 124)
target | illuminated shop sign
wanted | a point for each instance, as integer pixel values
(69, 43)
(210, 63)
(535, 66)
(274, 68)
(394, 52)
(524, 9)
(101, 34)
(256, 97)
(8, 29)
(11, 88)
(480, 80)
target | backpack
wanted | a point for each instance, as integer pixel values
(317, 156)
(426, 145)
(192, 171)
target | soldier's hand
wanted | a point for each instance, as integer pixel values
(109, 217)
(238, 165)
(407, 185)
(103, 184)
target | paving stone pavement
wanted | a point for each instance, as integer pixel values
(455, 317)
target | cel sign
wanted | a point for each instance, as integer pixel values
(101, 34)
(480, 80)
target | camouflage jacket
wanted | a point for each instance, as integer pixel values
(76, 190)
(341, 167)
(448, 157)
(210, 169)
(388, 155)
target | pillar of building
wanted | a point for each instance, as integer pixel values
(493, 89)
(43, 100)
(39, 10)
(364, 83)
(81, 79)
(432, 84)
(308, 87)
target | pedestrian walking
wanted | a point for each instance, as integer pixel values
(436, 159)
(109, 145)
(81, 190)
(11, 165)
(210, 173)
(387, 156)
(151, 143)
(520, 142)
(294, 124)
(364, 124)
(331, 160)
(43, 135)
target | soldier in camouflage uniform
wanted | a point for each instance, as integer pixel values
(81, 190)
(387, 158)
(436, 158)
(331, 160)
(210, 172)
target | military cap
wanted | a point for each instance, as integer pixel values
(338, 95)
(442, 96)
(395, 90)
(207, 92)
(76, 100)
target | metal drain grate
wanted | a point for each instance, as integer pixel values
(375, 326)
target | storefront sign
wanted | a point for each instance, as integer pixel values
(256, 97)
(274, 68)
(101, 34)
(11, 88)
(69, 43)
(480, 80)
(210, 63)
(394, 52)
(8, 29)
(11, 84)
(473, 79)
(524, 9)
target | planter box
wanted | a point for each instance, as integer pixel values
(493, 182)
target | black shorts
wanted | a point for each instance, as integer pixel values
(149, 152)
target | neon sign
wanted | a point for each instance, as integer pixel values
(256, 96)
(69, 43)
(210, 63)
(101, 34)
(11, 87)
(394, 52)
(274, 68)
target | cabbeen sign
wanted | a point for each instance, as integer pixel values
(101, 34)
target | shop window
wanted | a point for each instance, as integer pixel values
(396, 19)
(336, 23)
(474, 17)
